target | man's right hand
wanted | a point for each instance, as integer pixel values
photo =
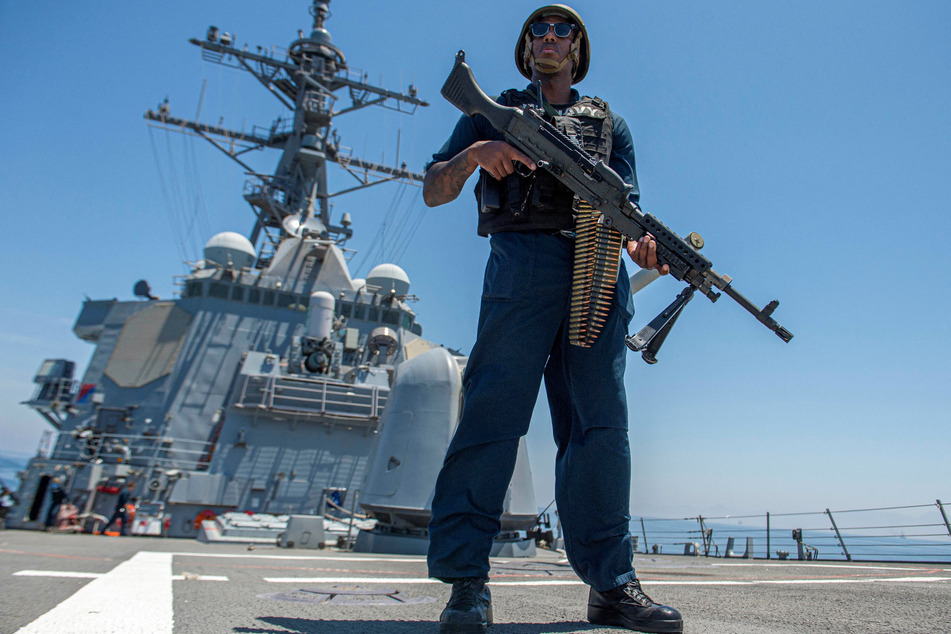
(445, 180)
(496, 157)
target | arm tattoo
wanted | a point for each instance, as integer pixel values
(444, 181)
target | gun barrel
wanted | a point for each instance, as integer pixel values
(761, 315)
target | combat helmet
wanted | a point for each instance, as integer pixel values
(580, 53)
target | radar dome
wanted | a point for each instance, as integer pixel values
(230, 247)
(389, 277)
(320, 35)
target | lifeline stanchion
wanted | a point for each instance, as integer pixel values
(944, 516)
(839, 535)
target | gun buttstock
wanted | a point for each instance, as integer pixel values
(462, 91)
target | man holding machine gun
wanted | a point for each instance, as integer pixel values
(523, 336)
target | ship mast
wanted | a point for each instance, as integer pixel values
(306, 82)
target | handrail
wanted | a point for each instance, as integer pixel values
(888, 533)
(313, 397)
(140, 450)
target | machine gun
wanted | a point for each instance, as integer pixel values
(602, 188)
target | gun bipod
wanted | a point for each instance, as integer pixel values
(651, 337)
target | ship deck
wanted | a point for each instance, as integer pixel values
(85, 583)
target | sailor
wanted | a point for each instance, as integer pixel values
(8, 500)
(523, 336)
(57, 497)
(122, 511)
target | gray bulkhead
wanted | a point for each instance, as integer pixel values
(280, 442)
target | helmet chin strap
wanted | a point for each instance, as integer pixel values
(550, 66)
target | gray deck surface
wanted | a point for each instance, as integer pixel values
(84, 583)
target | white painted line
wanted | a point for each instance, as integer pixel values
(348, 557)
(785, 565)
(192, 577)
(577, 582)
(350, 580)
(796, 581)
(95, 575)
(726, 582)
(544, 582)
(135, 596)
(57, 573)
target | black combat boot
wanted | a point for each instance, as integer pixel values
(469, 608)
(628, 606)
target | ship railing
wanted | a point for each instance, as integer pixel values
(352, 75)
(280, 127)
(226, 59)
(313, 397)
(916, 533)
(152, 451)
(59, 391)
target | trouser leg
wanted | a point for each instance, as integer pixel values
(467, 505)
(517, 325)
(585, 388)
(115, 516)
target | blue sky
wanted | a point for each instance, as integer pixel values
(809, 143)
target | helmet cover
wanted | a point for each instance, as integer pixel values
(579, 53)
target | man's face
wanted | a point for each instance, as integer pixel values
(551, 46)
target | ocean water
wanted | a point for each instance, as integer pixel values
(916, 533)
(10, 464)
(868, 539)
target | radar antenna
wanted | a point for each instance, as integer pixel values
(306, 81)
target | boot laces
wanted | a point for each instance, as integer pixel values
(465, 593)
(633, 590)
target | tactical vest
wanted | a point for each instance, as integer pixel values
(539, 201)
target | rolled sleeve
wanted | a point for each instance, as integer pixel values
(463, 135)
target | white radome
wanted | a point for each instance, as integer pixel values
(389, 277)
(231, 248)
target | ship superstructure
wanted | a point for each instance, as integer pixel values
(275, 383)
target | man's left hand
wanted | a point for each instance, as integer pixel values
(644, 254)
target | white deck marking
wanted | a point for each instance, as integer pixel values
(577, 582)
(350, 580)
(94, 575)
(882, 580)
(785, 565)
(193, 577)
(58, 573)
(135, 596)
(345, 557)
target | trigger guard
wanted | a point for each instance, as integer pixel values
(522, 170)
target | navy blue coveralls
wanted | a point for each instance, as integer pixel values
(523, 336)
(120, 512)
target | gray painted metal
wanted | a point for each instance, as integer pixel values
(205, 402)
(303, 531)
(413, 440)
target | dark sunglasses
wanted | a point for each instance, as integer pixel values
(562, 29)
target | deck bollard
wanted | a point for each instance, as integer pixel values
(731, 541)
